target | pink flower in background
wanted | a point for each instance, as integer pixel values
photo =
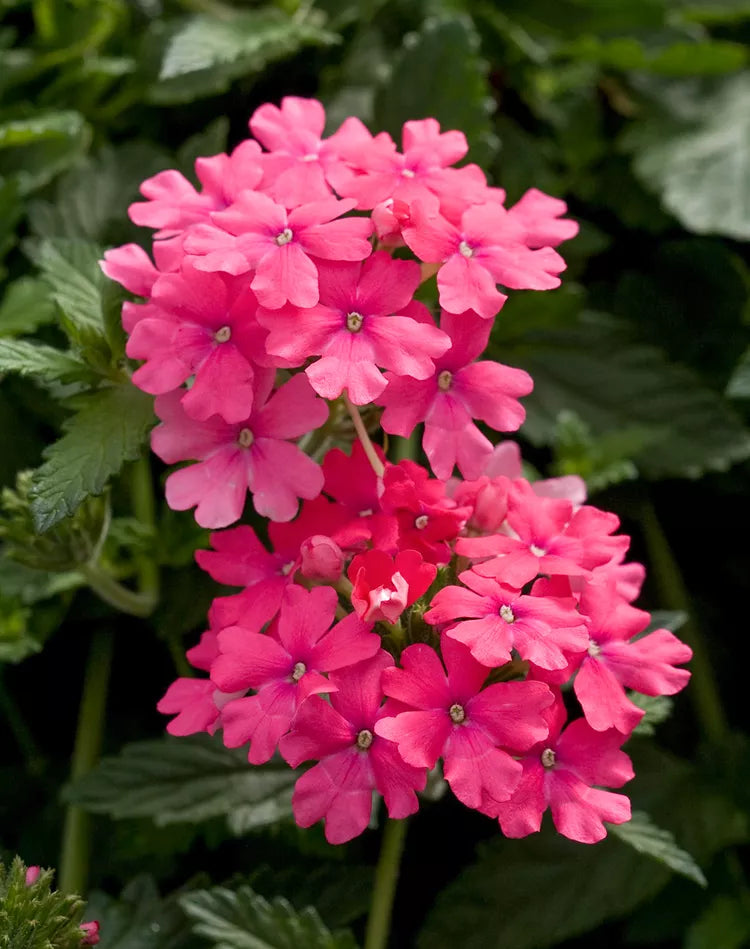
(32, 875)
(540, 216)
(90, 933)
(353, 760)
(251, 455)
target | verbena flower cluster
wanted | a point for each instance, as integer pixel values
(396, 617)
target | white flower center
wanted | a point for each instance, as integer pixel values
(548, 758)
(223, 335)
(311, 156)
(457, 713)
(421, 522)
(365, 739)
(465, 250)
(594, 649)
(407, 173)
(354, 322)
(285, 236)
(299, 670)
(245, 438)
(444, 380)
(507, 614)
(537, 551)
(287, 568)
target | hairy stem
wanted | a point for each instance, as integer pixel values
(386, 878)
(359, 426)
(76, 841)
(108, 589)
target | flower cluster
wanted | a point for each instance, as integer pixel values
(398, 617)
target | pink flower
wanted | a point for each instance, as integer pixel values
(454, 717)
(615, 659)
(90, 933)
(542, 629)
(363, 323)
(353, 760)
(458, 391)
(251, 455)
(384, 587)
(560, 773)
(285, 671)
(257, 233)
(488, 247)
(539, 214)
(202, 325)
(32, 875)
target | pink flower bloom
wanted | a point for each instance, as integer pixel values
(202, 325)
(615, 660)
(458, 391)
(541, 629)
(32, 875)
(488, 247)
(321, 558)
(287, 670)
(353, 760)
(90, 933)
(250, 455)
(454, 717)
(131, 267)
(282, 247)
(540, 214)
(560, 773)
(384, 587)
(362, 323)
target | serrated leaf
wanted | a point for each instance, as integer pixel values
(109, 428)
(439, 74)
(186, 779)
(34, 149)
(206, 54)
(611, 382)
(244, 920)
(700, 167)
(658, 708)
(27, 358)
(725, 923)
(643, 835)
(738, 386)
(25, 306)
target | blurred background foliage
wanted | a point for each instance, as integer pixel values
(637, 112)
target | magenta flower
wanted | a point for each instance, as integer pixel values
(458, 391)
(487, 248)
(560, 773)
(286, 670)
(251, 455)
(202, 325)
(384, 586)
(494, 618)
(32, 875)
(363, 323)
(256, 233)
(90, 933)
(614, 660)
(353, 760)
(540, 215)
(453, 717)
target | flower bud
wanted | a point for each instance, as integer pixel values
(322, 558)
(91, 933)
(32, 875)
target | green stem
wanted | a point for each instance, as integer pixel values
(144, 508)
(76, 841)
(359, 427)
(704, 689)
(108, 589)
(386, 877)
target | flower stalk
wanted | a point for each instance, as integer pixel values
(386, 879)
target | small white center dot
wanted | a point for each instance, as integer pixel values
(223, 335)
(421, 522)
(465, 250)
(311, 156)
(299, 670)
(365, 739)
(537, 551)
(594, 649)
(245, 438)
(445, 380)
(457, 713)
(285, 236)
(507, 614)
(548, 758)
(354, 322)
(407, 173)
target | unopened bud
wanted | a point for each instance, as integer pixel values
(322, 558)
(32, 875)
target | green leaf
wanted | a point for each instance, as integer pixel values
(597, 371)
(678, 58)
(34, 149)
(738, 386)
(28, 358)
(109, 428)
(726, 923)
(495, 903)
(658, 708)
(206, 54)
(140, 919)
(187, 779)
(244, 920)
(644, 836)
(25, 306)
(439, 73)
(699, 166)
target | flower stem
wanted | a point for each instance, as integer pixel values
(359, 426)
(704, 689)
(76, 841)
(386, 877)
(108, 589)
